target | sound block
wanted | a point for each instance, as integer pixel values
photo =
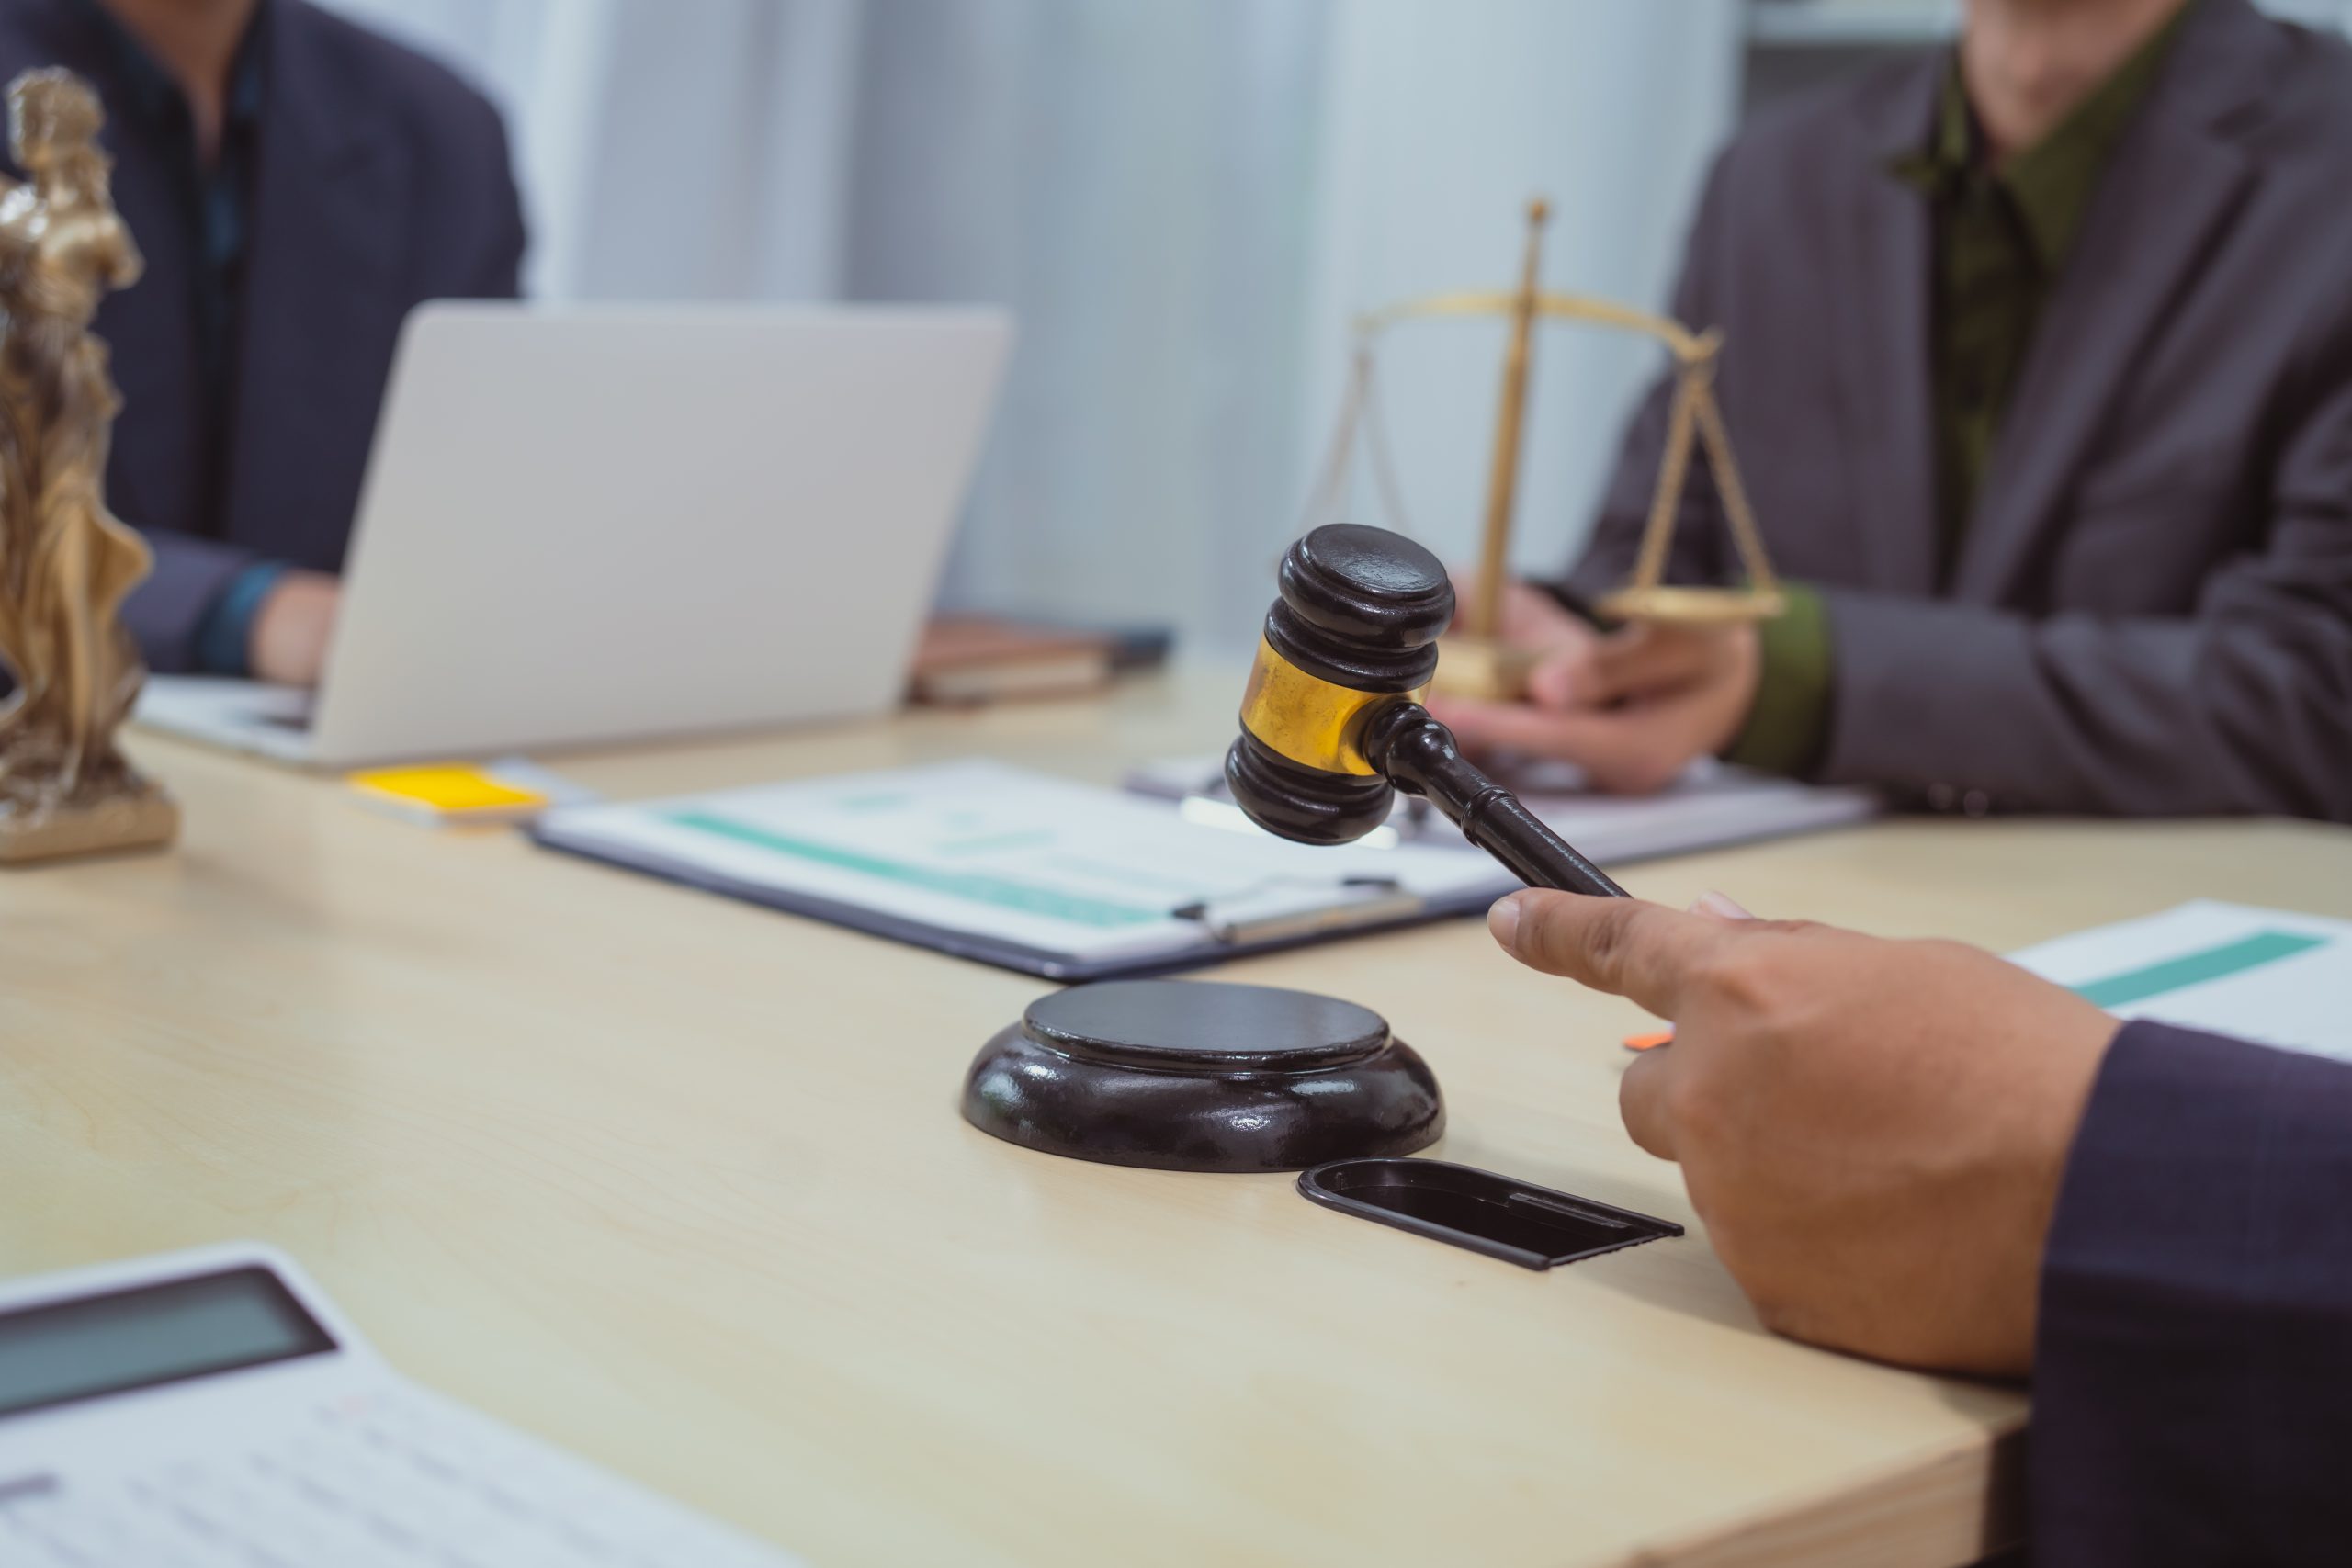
(1191, 1075)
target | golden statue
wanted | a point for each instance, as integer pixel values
(65, 563)
(1473, 661)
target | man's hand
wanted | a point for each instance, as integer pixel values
(1873, 1132)
(288, 644)
(1533, 619)
(1633, 708)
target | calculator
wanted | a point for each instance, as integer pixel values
(211, 1409)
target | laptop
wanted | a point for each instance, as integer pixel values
(595, 524)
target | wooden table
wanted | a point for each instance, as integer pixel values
(680, 1184)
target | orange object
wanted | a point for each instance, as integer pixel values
(1649, 1041)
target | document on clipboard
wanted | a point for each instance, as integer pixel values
(1023, 870)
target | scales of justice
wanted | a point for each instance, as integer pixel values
(1473, 660)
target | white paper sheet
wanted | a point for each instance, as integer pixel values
(2267, 974)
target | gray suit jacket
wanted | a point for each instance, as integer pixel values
(2153, 610)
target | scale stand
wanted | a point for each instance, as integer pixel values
(1473, 660)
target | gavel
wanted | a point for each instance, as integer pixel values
(1332, 725)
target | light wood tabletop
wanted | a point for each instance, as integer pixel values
(680, 1184)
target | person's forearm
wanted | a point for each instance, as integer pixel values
(166, 611)
(224, 638)
(2195, 1328)
(2086, 713)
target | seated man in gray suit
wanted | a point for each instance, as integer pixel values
(2038, 358)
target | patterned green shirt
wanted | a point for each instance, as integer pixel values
(2002, 235)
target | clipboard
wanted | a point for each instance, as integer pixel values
(1022, 870)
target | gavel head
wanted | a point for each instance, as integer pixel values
(1353, 637)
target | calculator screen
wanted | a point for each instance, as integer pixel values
(58, 1352)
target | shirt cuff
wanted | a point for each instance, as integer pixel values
(225, 636)
(1788, 726)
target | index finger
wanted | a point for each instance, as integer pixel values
(1645, 953)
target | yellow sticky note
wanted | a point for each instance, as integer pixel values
(448, 792)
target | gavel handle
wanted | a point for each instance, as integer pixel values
(1420, 756)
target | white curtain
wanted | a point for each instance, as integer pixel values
(1183, 201)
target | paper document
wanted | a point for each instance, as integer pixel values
(1017, 867)
(1708, 807)
(2264, 975)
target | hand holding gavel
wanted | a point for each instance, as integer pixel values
(1332, 725)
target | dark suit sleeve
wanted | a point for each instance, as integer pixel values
(498, 271)
(1609, 555)
(2193, 1382)
(2243, 706)
(165, 612)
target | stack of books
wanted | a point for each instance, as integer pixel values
(964, 660)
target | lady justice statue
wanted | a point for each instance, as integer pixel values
(65, 563)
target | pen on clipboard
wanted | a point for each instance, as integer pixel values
(1270, 917)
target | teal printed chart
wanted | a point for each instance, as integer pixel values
(979, 887)
(2195, 968)
(2275, 977)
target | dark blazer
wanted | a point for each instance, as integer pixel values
(2192, 1387)
(2153, 609)
(380, 181)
